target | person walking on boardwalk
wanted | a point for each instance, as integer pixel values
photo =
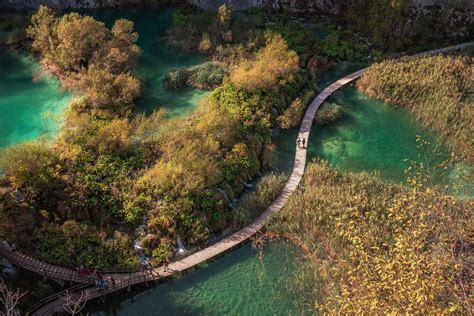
(303, 142)
(298, 141)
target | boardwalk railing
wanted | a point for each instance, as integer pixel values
(124, 280)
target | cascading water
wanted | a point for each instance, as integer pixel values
(225, 196)
(181, 249)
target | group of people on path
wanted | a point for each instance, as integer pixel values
(104, 284)
(301, 142)
(100, 283)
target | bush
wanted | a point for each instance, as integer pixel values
(274, 64)
(80, 244)
(30, 166)
(176, 78)
(206, 75)
(292, 115)
(343, 45)
(203, 76)
(328, 113)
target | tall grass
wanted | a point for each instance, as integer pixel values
(254, 203)
(376, 248)
(436, 89)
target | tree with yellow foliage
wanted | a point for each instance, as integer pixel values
(274, 65)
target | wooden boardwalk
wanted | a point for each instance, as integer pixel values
(124, 280)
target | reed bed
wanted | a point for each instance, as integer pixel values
(376, 248)
(438, 90)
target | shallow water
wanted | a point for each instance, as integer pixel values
(29, 107)
(239, 283)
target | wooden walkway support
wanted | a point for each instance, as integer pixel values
(123, 280)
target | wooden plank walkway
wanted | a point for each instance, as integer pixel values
(126, 280)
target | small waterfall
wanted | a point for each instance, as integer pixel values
(141, 232)
(181, 248)
(225, 196)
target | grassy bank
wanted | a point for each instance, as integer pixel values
(376, 248)
(436, 89)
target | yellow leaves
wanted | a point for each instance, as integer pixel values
(272, 63)
(393, 256)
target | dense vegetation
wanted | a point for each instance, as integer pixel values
(376, 248)
(436, 89)
(394, 25)
(110, 171)
(113, 177)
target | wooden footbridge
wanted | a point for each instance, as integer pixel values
(55, 303)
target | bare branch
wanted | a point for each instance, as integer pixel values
(10, 300)
(73, 304)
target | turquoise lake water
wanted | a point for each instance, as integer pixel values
(29, 107)
(373, 136)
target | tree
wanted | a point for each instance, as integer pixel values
(274, 64)
(224, 16)
(88, 57)
(10, 300)
(120, 53)
(79, 39)
(43, 31)
(106, 90)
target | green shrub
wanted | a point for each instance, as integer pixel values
(328, 113)
(292, 115)
(343, 45)
(176, 78)
(30, 166)
(81, 244)
(42, 290)
(206, 76)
